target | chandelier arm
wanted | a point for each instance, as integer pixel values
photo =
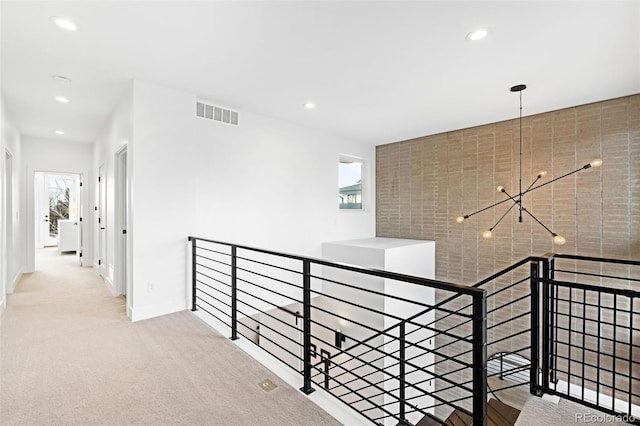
(532, 183)
(515, 203)
(487, 208)
(512, 198)
(541, 224)
(558, 178)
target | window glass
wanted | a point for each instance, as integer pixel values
(349, 184)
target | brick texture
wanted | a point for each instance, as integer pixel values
(424, 184)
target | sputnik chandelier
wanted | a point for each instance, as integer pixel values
(517, 200)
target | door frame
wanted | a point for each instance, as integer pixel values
(7, 243)
(40, 180)
(79, 219)
(122, 264)
(101, 222)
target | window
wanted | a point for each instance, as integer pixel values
(350, 183)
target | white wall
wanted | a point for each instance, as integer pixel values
(274, 185)
(265, 183)
(163, 160)
(11, 243)
(48, 155)
(117, 133)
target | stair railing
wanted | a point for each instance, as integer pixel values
(433, 361)
(387, 367)
(590, 323)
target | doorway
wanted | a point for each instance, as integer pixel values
(102, 221)
(56, 206)
(7, 280)
(121, 217)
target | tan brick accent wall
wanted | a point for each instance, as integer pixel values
(424, 184)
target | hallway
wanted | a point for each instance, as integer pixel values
(70, 356)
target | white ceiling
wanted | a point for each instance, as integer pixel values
(379, 72)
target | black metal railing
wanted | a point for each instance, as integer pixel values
(590, 321)
(398, 348)
(366, 336)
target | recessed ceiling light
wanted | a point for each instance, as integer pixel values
(59, 132)
(64, 23)
(60, 79)
(62, 99)
(309, 105)
(478, 34)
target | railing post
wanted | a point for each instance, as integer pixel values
(234, 294)
(479, 315)
(553, 295)
(534, 381)
(402, 373)
(547, 314)
(306, 325)
(194, 307)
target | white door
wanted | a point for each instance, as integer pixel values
(79, 223)
(101, 215)
(8, 202)
(58, 201)
(121, 211)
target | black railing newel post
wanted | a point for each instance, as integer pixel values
(547, 307)
(402, 375)
(306, 325)
(553, 317)
(479, 359)
(194, 281)
(234, 294)
(534, 381)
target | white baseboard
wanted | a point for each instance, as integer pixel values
(152, 311)
(595, 398)
(14, 283)
(111, 286)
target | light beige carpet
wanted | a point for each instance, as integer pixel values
(69, 356)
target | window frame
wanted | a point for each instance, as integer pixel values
(345, 158)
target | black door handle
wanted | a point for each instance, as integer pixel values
(101, 228)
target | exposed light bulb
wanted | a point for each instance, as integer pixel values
(487, 235)
(460, 219)
(62, 99)
(500, 188)
(596, 163)
(309, 105)
(559, 240)
(542, 174)
(59, 132)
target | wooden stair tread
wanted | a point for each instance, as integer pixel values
(428, 421)
(501, 414)
(498, 414)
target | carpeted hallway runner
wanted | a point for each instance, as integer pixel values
(69, 356)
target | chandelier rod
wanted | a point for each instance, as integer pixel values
(594, 163)
(515, 203)
(541, 224)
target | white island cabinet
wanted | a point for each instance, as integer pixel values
(67, 235)
(409, 257)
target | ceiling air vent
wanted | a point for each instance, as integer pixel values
(211, 112)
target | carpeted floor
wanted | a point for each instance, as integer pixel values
(69, 356)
